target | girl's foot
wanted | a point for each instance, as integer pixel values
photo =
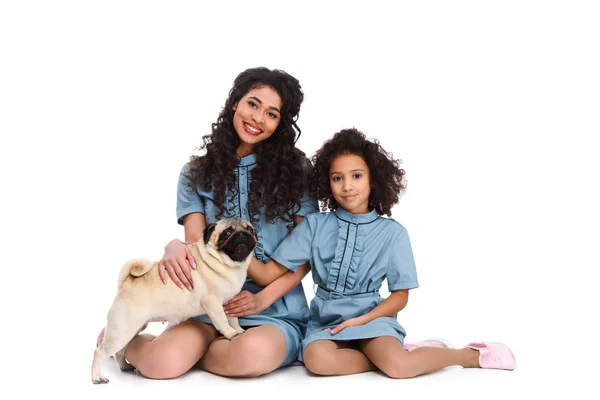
(494, 355)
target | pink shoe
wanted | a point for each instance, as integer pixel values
(494, 355)
(425, 343)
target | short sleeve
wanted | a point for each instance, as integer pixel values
(296, 248)
(188, 199)
(401, 272)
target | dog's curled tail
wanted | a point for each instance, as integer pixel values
(137, 267)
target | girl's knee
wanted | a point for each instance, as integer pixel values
(398, 370)
(319, 359)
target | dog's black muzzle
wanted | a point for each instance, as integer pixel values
(239, 246)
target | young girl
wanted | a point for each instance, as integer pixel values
(250, 153)
(352, 249)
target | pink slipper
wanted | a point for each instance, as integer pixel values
(425, 343)
(494, 355)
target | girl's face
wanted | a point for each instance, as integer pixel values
(350, 183)
(256, 116)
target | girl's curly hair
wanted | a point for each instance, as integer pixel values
(385, 173)
(279, 171)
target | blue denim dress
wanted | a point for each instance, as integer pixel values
(290, 313)
(350, 256)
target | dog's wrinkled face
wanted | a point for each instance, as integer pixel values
(233, 236)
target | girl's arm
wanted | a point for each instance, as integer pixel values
(265, 273)
(246, 303)
(395, 302)
(279, 279)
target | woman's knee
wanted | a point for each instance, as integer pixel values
(249, 355)
(173, 353)
(163, 363)
(319, 358)
(257, 356)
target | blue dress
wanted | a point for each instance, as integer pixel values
(350, 256)
(290, 313)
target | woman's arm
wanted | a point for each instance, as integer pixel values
(193, 226)
(177, 259)
(395, 302)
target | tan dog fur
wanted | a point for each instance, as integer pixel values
(142, 297)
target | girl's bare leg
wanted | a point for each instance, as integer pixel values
(328, 357)
(392, 359)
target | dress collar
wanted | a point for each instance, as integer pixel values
(247, 161)
(356, 218)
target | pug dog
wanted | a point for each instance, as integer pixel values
(222, 258)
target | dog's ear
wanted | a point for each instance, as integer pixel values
(208, 232)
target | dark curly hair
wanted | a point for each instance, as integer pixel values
(384, 171)
(279, 170)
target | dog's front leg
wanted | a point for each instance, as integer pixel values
(214, 309)
(235, 324)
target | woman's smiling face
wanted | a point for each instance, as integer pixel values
(257, 115)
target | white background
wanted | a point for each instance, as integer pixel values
(493, 107)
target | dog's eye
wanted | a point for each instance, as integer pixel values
(227, 233)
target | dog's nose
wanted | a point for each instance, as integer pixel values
(240, 246)
(245, 235)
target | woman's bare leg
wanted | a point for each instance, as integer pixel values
(174, 352)
(256, 352)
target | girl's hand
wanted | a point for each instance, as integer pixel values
(176, 263)
(244, 303)
(351, 322)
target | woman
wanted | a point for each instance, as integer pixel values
(251, 169)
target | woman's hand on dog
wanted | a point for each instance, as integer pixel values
(176, 264)
(244, 303)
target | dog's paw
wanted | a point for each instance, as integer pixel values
(230, 333)
(240, 330)
(101, 379)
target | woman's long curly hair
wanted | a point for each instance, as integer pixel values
(385, 173)
(278, 180)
